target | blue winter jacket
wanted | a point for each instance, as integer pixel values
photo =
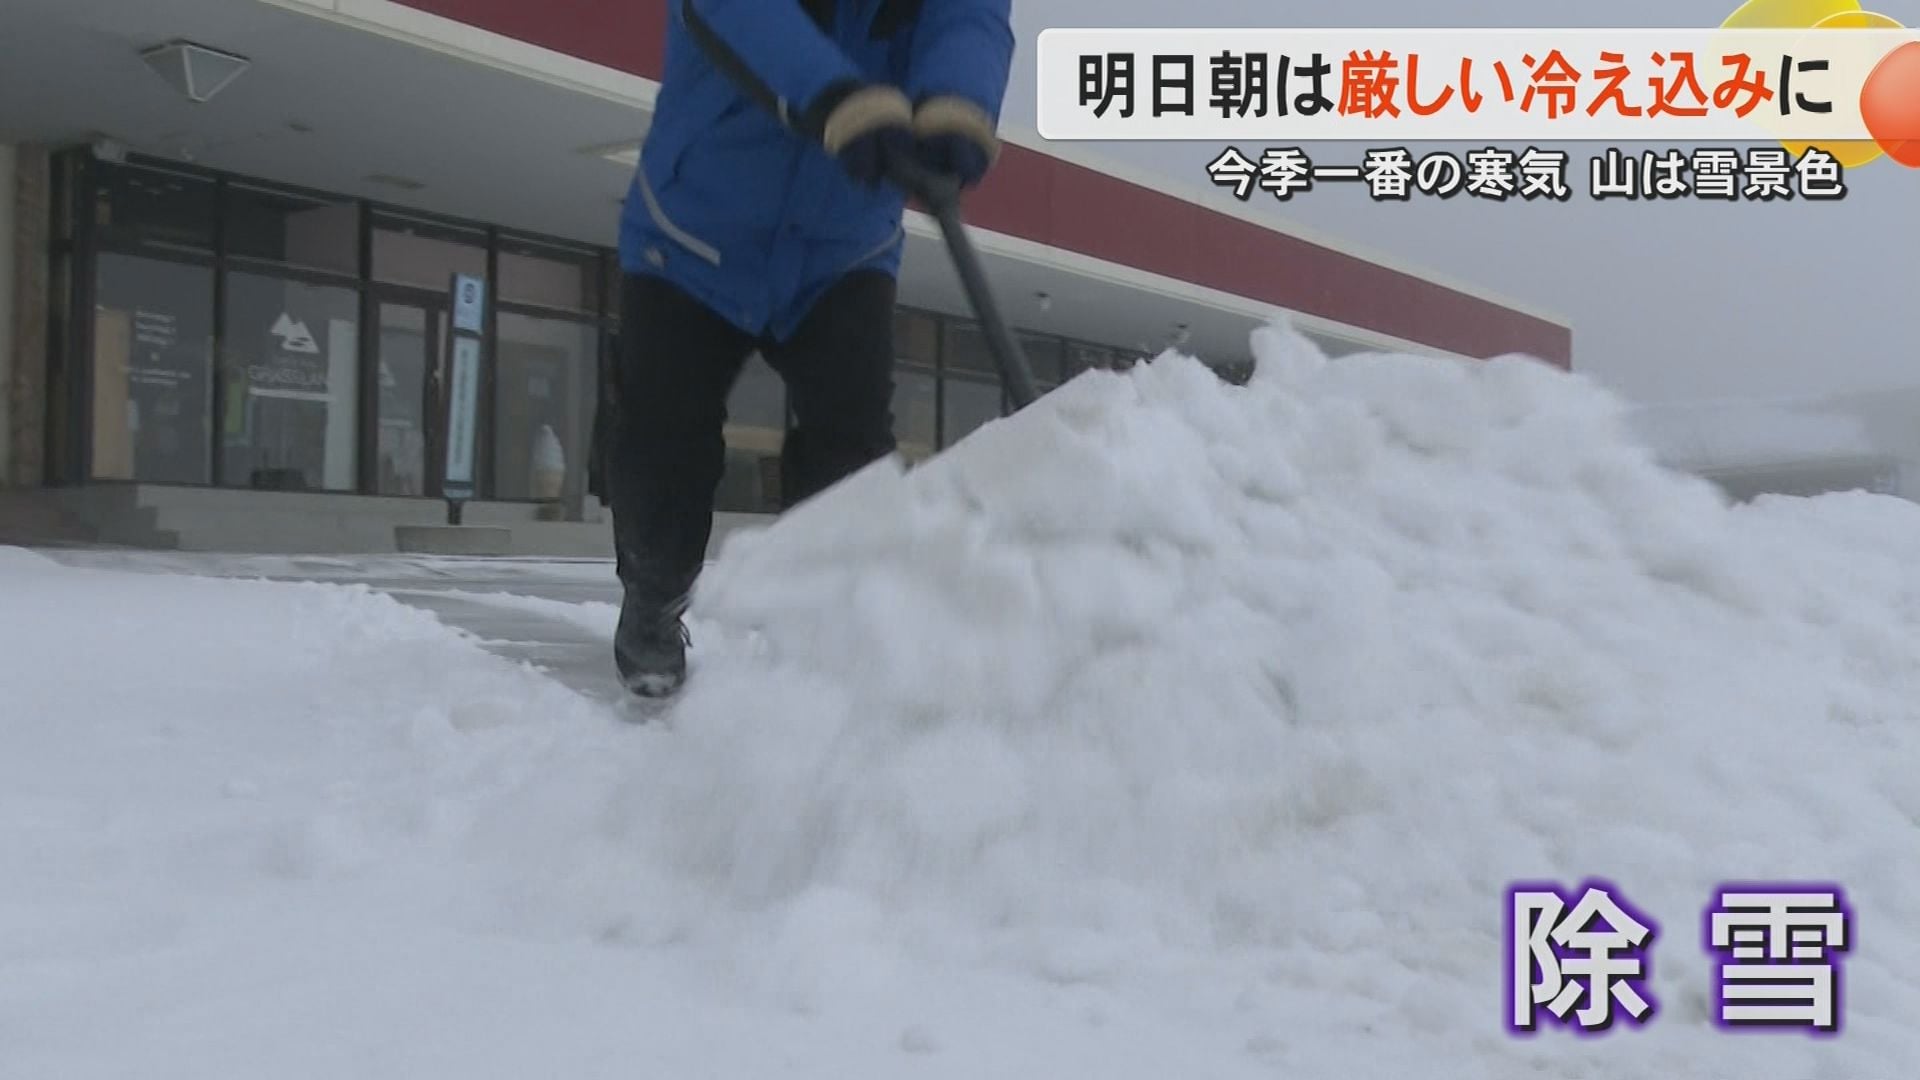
(735, 205)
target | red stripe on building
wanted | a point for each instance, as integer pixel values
(627, 35)
(1049, 201)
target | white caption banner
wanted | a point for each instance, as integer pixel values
(1514, 78)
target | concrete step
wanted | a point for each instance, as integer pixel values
(105, 515)
(34, 518)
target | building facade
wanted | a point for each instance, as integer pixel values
(223, 331)
(228, 319)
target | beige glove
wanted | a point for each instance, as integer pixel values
(864, 127)
(955, 137)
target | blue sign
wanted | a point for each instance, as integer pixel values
(469, 302)
(463, 389)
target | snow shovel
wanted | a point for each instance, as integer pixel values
(941, 195)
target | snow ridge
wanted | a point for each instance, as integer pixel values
(1286, 683)
(1167, 728)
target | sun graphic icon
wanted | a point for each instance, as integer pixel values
(1890, 97)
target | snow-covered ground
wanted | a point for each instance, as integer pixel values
(556, 613)
(1167, 729)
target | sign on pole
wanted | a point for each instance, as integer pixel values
(469, 303)
(463, 391)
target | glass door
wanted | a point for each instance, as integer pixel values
(544, 371)
(410, 422)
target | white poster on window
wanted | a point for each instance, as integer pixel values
(293, 365)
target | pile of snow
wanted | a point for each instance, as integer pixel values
(1167, 728)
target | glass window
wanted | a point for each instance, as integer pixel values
(136, 207)
(550, 277)
(1045, 356)
(152, 374)
(543, 401)
(965, 406)
(292, 365)
(756, 427)
(1082, 356)
(295, 230)
(916, 338)
(411, 251)
(967, 349)
(915, 408)
(406, 352)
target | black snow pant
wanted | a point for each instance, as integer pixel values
(664, 450)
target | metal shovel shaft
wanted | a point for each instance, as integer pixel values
(942, 197)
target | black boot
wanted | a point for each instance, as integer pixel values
(650, 644)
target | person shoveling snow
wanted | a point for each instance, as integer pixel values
(763, 216)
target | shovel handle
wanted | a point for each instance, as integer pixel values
(941, 194)
(938, 190)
